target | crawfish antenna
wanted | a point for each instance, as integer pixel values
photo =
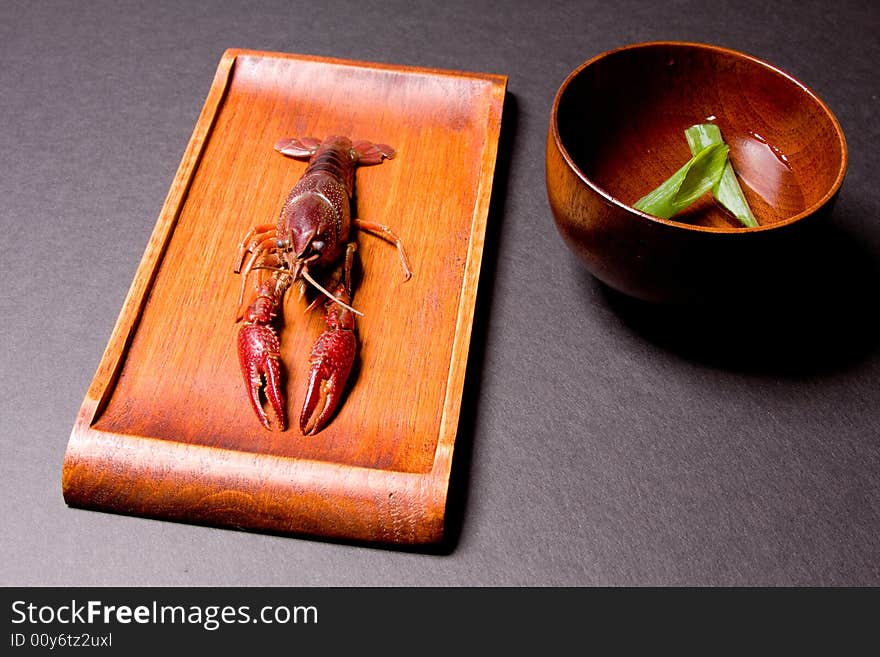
(308, 277)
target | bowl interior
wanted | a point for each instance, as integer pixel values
(621, 118)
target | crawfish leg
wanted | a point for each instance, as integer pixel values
(250, 241)
(263, 250)
(332, 356)
(386, 233)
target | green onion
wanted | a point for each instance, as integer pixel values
(728, 192)
(699, 175)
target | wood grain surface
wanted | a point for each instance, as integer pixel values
(166, 429)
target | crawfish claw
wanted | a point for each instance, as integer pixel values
(332, 357)
(258, 354)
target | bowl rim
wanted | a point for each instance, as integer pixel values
(828, 196)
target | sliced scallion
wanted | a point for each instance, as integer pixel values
(728, 191)
(699, 175)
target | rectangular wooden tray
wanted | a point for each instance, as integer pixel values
(166, 429)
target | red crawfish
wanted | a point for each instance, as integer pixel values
(308, 245)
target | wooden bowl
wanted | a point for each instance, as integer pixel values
(617, 131)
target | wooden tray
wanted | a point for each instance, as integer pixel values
(166, 429)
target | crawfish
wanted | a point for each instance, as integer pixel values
(308, 245)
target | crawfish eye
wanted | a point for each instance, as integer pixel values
(318, 245)
(279, 243)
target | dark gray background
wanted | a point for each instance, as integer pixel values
(602, 442)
